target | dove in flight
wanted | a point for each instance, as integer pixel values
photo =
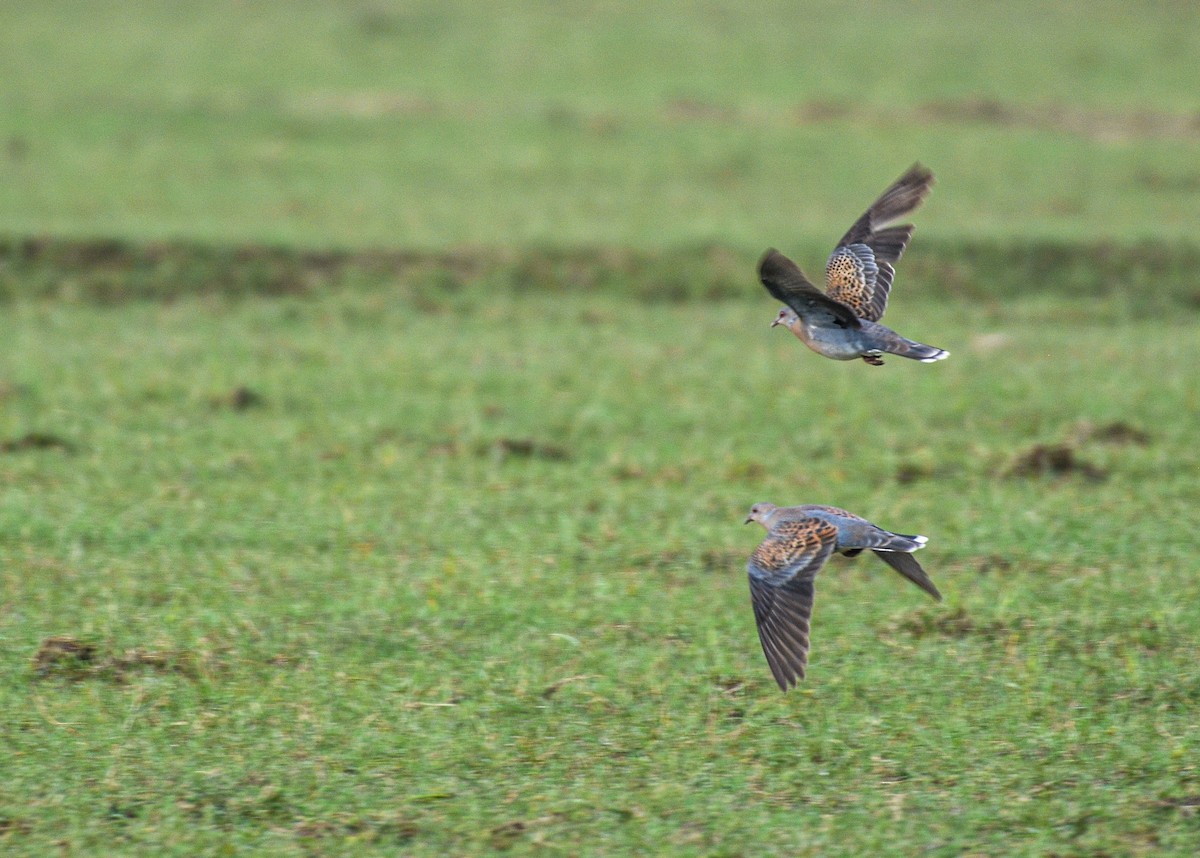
(800, 539)
(843, 321)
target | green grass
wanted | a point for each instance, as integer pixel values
(384, 386)
(379, 628)
(634, 124)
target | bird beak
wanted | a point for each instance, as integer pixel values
(749, 519)
(776, 322)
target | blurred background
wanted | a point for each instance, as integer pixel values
(642, 124)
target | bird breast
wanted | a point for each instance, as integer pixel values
(835, 343)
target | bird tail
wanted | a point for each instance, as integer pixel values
(902, 542)
(916, 351)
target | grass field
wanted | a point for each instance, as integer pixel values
(434, 124)
(384, 388)
(452, 584)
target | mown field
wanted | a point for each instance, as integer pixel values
(383, 389)
(431, 124)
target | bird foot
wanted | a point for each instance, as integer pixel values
(873, 360)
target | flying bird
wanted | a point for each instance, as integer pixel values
(843, 321)
(800, 539)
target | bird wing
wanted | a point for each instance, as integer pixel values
(786, 282)
(781, 571)
(859, 272)
(832, 510)
(868, 535)
(910, 568)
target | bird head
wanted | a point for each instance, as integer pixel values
(760, 512)
(787, 316)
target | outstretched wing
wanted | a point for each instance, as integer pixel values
(910, 568)
(786, 282)
(859, 272)
(781, 571)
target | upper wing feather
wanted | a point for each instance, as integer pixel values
(859, 272)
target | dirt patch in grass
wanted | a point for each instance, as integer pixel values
(1055, 460)
(67, 657)
(1063, 459)
(10, 826)
(990, 563)
(368, 829)
(241, 398)
(527, 448)
(1118, 432)
(505, 836)
(1188, 805)
(913, 470)
(956, 624)
(36, 441)
(63, 655)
